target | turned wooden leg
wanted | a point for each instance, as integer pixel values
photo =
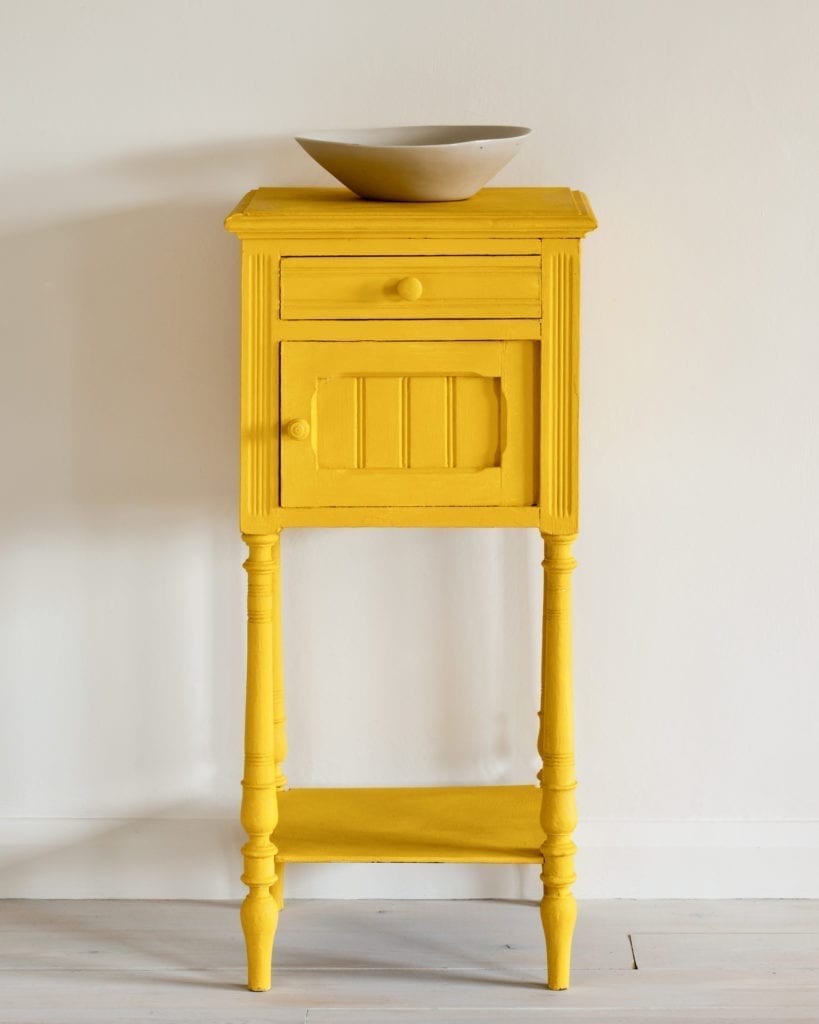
(279, 725)
(558, 816)
(260, 909)
(279, 718)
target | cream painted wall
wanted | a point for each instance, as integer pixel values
(129, 130)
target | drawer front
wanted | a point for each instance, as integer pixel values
(408, 423)
(409, 287)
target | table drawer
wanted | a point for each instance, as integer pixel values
(409, 287)
(408, 423)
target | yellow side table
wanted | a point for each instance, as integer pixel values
(408, 364)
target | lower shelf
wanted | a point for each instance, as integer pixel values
(461, 824)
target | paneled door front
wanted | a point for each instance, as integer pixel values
(408, 423)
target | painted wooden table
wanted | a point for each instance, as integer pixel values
(408, 364)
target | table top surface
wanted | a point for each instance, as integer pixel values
(515, 212)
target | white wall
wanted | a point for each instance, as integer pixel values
(129, 130)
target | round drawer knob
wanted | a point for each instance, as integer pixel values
(299, 430)
(410, 288)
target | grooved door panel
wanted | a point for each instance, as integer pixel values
(409, 423)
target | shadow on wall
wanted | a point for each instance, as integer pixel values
(165, 854)
(124, 329)
(130, 348)
(120, 395)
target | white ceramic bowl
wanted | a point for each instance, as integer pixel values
(419, 164)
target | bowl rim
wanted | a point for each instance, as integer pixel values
(324, 136)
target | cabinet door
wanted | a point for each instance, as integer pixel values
(408, 423)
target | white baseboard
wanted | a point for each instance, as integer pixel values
(199, 859)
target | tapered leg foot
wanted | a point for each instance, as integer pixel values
(259, 919)
(277, 889)
(558, 914)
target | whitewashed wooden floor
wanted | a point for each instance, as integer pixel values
(409, 962)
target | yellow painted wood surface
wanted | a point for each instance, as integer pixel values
(558, 816)
(408, 364)
(418, 287)
(457, 824)
(560, 386)
(280, 228)
(430, 516)
(408, 423)
(369, 244)
(493, 212)
(259, 808)
(408, 330)
(259, 449)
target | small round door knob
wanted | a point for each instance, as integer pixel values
(299, 430)
(410, 288)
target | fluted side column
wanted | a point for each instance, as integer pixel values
(558, 909)
(260, 909)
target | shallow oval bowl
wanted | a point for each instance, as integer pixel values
(416, 164)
